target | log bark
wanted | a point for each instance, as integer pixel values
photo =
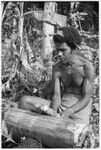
(50, 130)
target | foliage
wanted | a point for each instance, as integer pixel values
(91, 22)
(92, 19)
(30, 143)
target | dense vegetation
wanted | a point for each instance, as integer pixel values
(23, 70)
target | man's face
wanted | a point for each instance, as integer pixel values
(64, 52)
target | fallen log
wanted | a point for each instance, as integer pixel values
(50, 130)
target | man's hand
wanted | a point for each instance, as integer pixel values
(67, 113)
(47, 110)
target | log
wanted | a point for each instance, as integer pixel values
(50, 130)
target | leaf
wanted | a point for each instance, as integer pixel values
(5, 132)
(92, 140)
(7, 85)
(4, 128)
(83, 14)
(28, 48)
(38, 66)
(25, 62)
(96, 106)
(38, 31)
(9, 137)
(96, 81)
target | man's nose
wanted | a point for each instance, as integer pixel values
(60, 54)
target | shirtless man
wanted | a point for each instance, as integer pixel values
(72, 79)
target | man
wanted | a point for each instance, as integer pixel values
(72, 81)
(75, 74)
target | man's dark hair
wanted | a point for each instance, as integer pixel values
(70, 36)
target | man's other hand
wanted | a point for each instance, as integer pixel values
(56, 102)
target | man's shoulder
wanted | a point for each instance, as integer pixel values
(80, 60)
(88, 67)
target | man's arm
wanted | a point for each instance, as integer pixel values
(56, 100)
(87, 90)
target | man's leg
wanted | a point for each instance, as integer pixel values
(84, 115)
(32, 102)
(37, 104)
(81, 120)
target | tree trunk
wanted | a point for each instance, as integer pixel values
(49, 8)
(21, 26)
(2, 7)
(50, 130)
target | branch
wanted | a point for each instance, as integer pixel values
(29, 12)
(56, 25)
(45, 21)
(8, 5)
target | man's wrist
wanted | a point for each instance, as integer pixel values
(69, 111)
(53, 106)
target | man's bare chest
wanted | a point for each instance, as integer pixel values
(71, 75)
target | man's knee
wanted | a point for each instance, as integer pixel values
(24, 101)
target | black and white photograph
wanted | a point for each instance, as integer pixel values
(50, 74)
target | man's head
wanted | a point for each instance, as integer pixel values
(66, 41)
